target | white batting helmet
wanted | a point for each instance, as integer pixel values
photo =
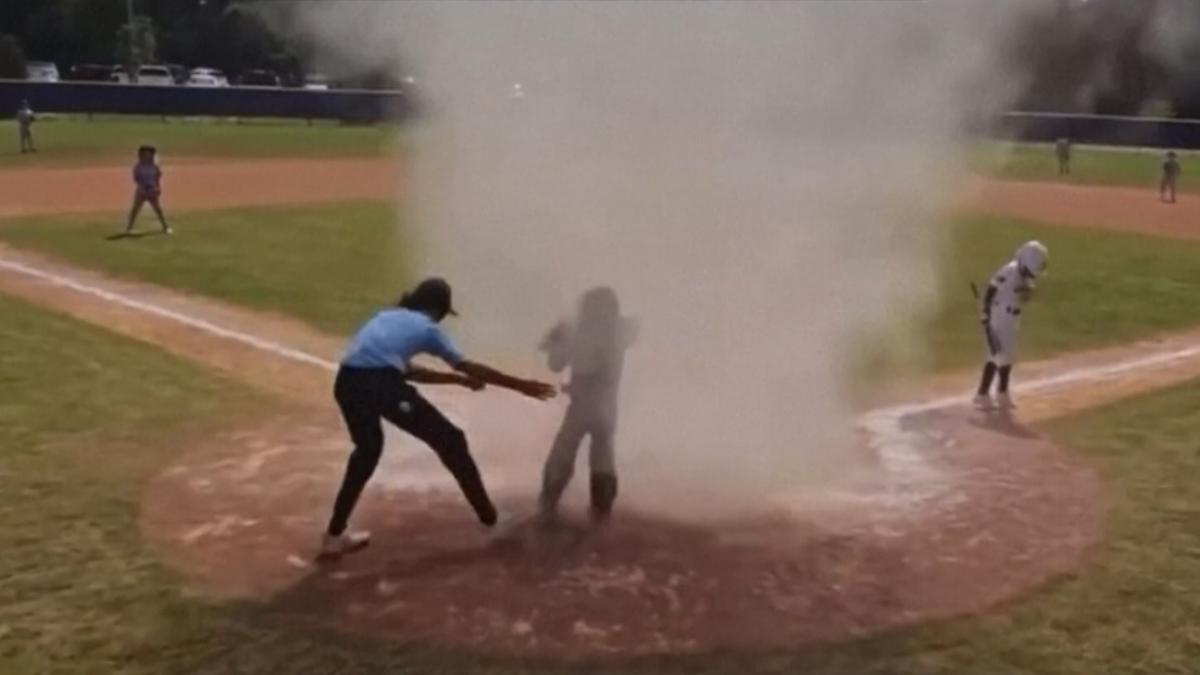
(1032, 257)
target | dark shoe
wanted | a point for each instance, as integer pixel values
(604, 494)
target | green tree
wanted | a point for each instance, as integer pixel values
(137, 44)
(93, 25)
(12, 58)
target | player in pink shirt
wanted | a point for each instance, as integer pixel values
(147, 180)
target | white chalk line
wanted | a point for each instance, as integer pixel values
(898, 450)
(162, 312)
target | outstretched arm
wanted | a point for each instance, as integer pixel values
(531, 388)
(427, 376)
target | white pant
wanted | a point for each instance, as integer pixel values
(583, 418)
(1001, 337)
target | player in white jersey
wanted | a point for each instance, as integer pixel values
(1010, 288)
(147, 181)
(25, 120)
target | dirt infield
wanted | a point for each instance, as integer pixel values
(994, 512)
(1112, 208)
(241, 517)
(199, 184)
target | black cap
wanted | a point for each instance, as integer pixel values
(431, 294)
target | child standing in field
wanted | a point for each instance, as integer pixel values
(594, 349)
(1010, 288)
(147, 181)
(1170, 176)
(25, 120)
(1062, 150)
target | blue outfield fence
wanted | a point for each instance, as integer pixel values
(1154, 132)
(179, 101)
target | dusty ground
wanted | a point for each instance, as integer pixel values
(194, 184)
(1111, 208)
(241, 516)
(993, 511)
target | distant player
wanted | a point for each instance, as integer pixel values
(147, 182)
(1062, 150)
(1170, 176)
(374, 383)
(1010, 288)
(593, 347)
(25, 120)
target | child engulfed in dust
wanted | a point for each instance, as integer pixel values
(594, 348)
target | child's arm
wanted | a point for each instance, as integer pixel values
(988, 296)
(556, 346)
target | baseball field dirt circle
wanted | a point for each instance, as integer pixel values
(241, 516)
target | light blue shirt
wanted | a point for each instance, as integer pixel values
(392, 337)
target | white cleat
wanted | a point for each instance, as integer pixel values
(336, 546)
(1005, 402)
(983, 402)
(504, 526)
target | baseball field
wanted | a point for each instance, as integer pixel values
(170, 447)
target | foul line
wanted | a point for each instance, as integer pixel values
(896, 447)
(162, 312)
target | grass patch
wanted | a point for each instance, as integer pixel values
(78, 141)
(1135, 167)
(1103, 288)
(86, 418)
(328, 265)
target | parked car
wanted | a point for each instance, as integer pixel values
(316, 83)
(217, 75)
(119, 75)
(202, 80)
(155, 75)
(41, 71)
(260, 78)
(89, 72)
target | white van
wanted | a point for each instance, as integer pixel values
(202, 77)
(155, 75)
(41, 71)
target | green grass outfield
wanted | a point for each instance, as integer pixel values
(1090, 165)
(327, 265)
(76, 141)
(87, 417)
(332, 265)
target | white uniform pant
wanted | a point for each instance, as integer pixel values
(582, 419)
(1001, 337)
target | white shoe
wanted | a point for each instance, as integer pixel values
(336, 546)
(1005, 402)
(983, 402)
(504, 526)
(168, 231)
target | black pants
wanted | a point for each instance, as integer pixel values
(365, 395)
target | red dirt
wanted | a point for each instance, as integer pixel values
(242, 517)
(1110, 208)
(199, 184)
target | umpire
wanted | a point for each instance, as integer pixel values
(373, 383)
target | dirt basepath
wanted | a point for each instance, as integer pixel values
(199, 184)
(1104, 207)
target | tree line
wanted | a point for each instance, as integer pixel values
(224, 34)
